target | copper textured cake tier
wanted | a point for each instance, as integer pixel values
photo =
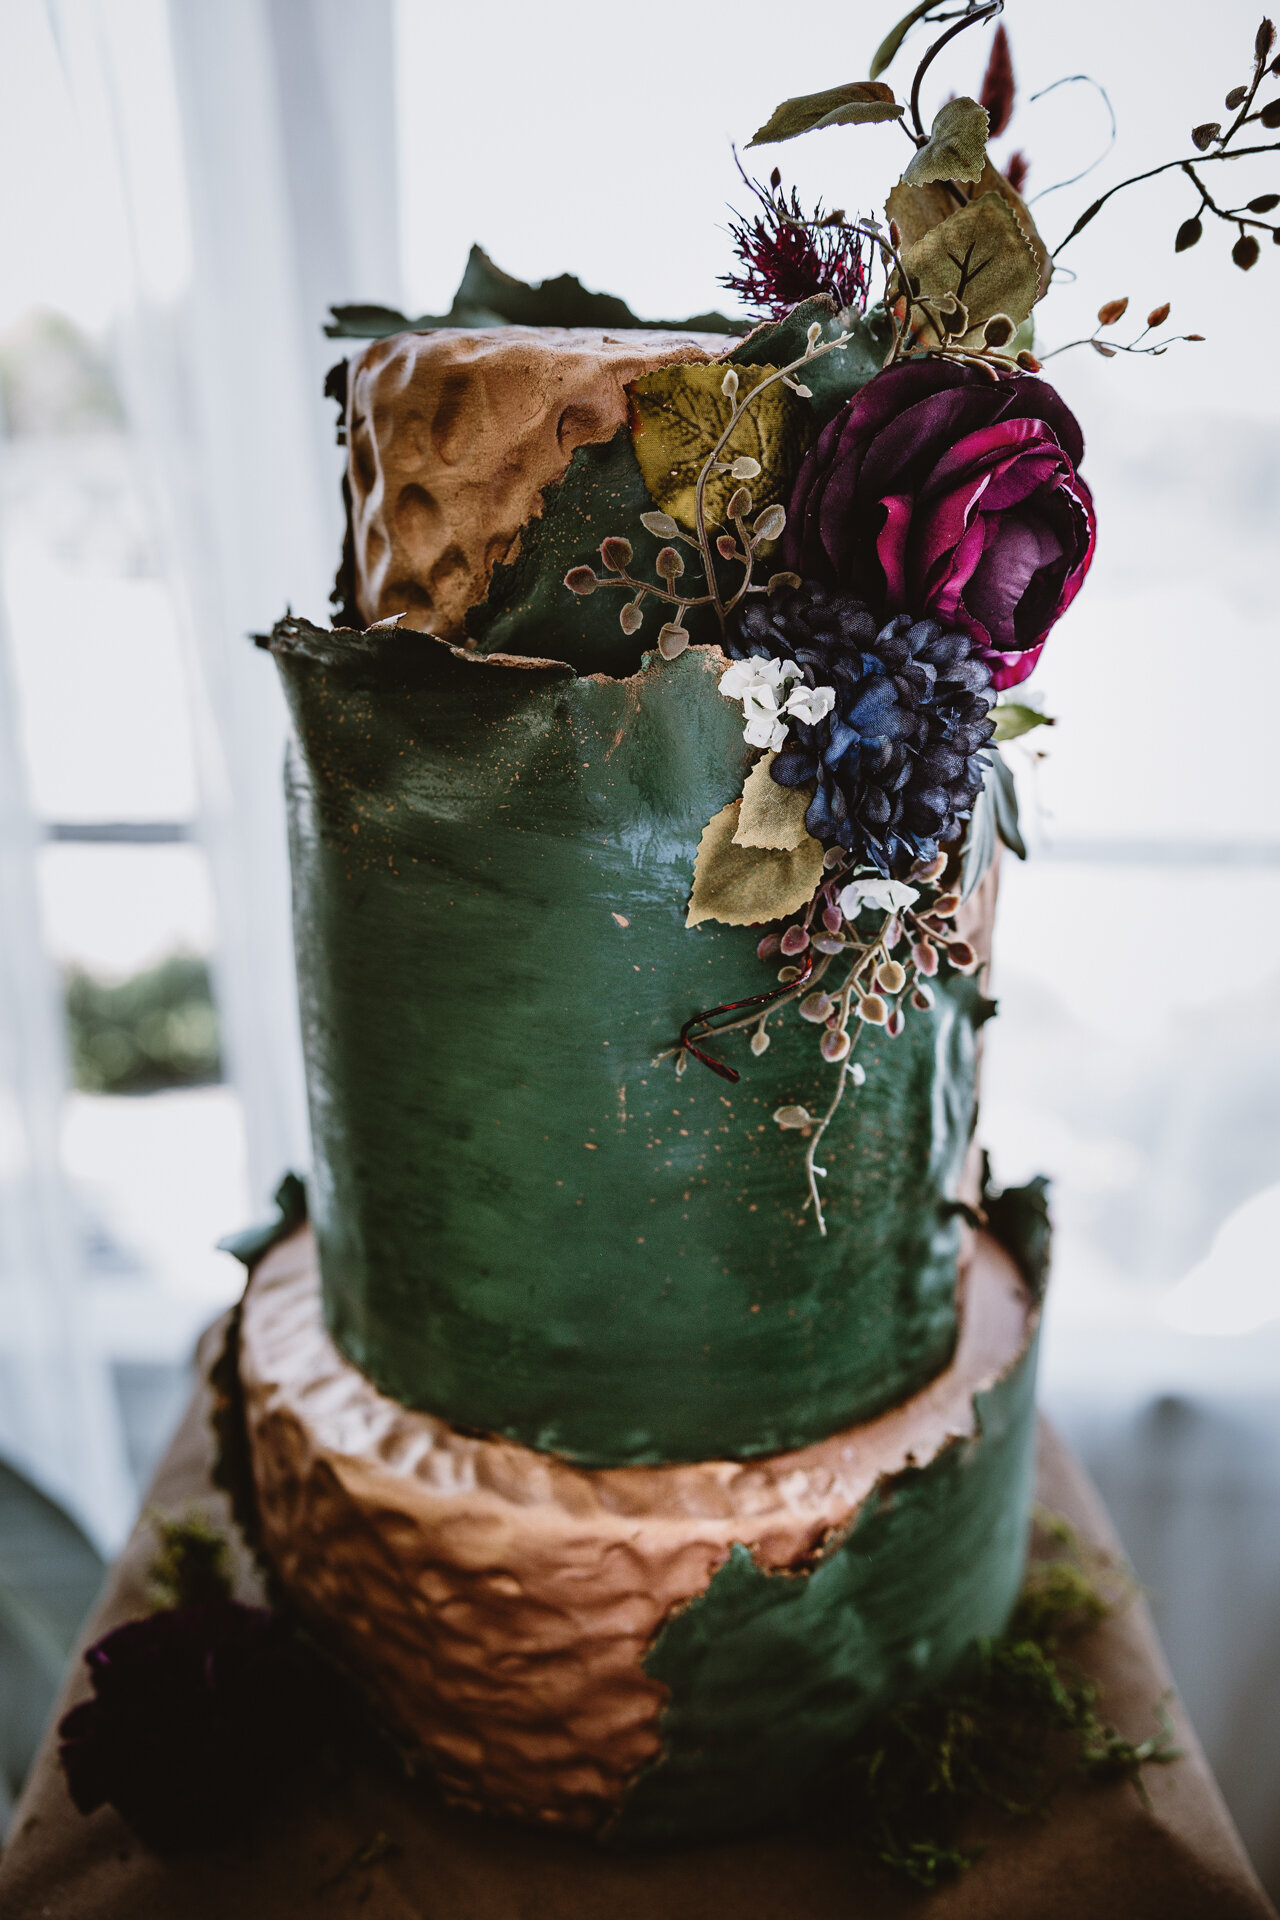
(651, 1652)
(454, 436)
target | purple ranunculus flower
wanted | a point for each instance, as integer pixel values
(197, 1717)
(940, 490)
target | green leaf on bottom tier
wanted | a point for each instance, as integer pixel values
(1019, 1219)
(749, 886)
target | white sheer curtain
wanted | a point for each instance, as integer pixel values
(58, 1417)
(240, 159)
(286, 149)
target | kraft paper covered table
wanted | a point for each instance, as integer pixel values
(373, 1844)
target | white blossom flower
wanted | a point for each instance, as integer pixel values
(767, 697)
(810, 704)
(764, 730)
(746, 677)
(890, 896)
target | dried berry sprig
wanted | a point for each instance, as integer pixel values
(1109, 314)
(883, 988)
(877, 989)
(793, 943)
(1246, 250)
(1212, 143)
(741, 547)
(797, 979)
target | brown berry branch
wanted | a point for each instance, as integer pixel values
(877, 990)
(1245, 251)
(741, 548)
(1112, 312)
(1213, 144)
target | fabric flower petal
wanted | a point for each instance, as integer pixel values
(938, 490)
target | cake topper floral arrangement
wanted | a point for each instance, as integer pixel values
(879, 589)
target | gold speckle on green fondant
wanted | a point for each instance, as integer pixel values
(461, 970)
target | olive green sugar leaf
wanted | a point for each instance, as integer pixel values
(981, 257)
(1013, 720)
(772, 816)
(956, 148)
(916, 210)
(745, 886)
(887, 51)
(680, 413)
(854, 104)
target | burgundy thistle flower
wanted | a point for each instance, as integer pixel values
(198, 1714)
(787, 258)
(941, 490)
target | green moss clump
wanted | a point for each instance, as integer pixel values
(191, 1567)
(1006, 1734)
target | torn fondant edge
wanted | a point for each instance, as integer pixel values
(498, 1604)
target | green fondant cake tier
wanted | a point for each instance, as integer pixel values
(527, 1224)
(646, 1654)
(771, 1675)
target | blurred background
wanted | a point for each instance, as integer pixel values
(187, 188)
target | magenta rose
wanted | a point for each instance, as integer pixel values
(939, 490)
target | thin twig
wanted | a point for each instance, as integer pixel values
(1167, 166)
(811, 1168)
(737, 413)
(1069, 80)
(969, 19)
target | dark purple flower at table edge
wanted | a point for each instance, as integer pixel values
(198, 1715)
(940, 490)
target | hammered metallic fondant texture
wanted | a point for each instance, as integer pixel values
(500, 1604)
(453, 438)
